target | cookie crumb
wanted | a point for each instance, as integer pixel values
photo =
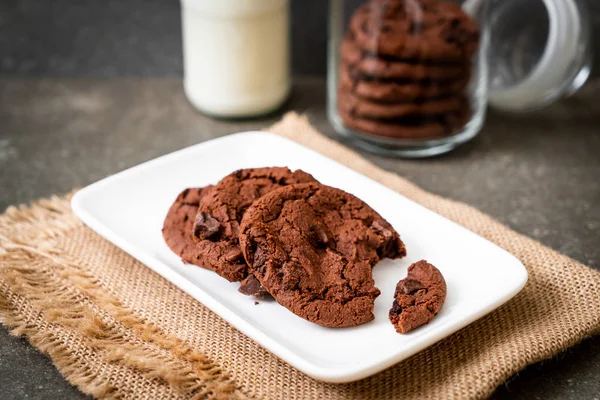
(256, 303)
(250, 286)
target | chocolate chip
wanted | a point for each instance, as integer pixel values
(259, 260)
(386, 247)
(206, 227)
(318, 237)
(379, 227)
(252, 287)
(409, 286)
(234, 254)
(396, 309)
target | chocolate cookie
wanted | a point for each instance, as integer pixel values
(177, 232)
(415, 29)
(365, 65)
(418, 298)
(217, 222)
(420, 127)
(179, 222)
(361, 108)
(398, 91)
(313, 248)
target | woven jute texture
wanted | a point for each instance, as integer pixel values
(116, 329)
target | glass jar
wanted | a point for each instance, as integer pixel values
(413, 78)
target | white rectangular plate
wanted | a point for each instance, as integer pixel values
(480, 276)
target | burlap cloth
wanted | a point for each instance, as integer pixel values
(116, 329)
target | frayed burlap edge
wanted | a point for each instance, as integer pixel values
(35, 300)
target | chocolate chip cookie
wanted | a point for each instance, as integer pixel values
(412, 127)
(365, 65)
(361, 108)
(430, 30)
(419, 297)
(313, 248)
(217, 222)
(394, 91)
(179, 222)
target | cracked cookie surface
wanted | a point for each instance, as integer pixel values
(418, 298)
(217, 222)
(313, 248)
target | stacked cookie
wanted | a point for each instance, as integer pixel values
(404, 68)
(281, 233)
(203, 224)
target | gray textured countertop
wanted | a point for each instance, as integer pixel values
(538, 173)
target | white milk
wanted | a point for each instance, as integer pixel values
(236, 55)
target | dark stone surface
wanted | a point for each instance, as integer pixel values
(26, 374)
(538, 173)
(131, 38)
(136, 37)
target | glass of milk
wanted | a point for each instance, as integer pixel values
(236, 56)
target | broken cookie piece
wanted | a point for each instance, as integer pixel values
(418, 297)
